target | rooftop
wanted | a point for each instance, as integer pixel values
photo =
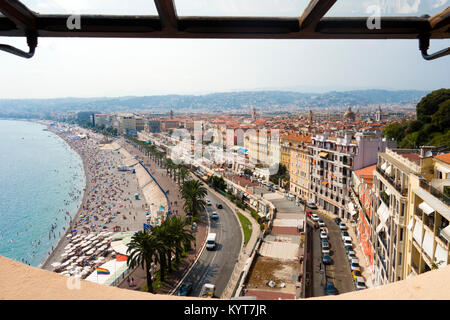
(444, 157)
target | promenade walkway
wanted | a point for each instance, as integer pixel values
(176, 204)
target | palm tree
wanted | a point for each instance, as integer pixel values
(160, 233)
(182, 237)
(184, 172)
(194, 192)
(142, 251)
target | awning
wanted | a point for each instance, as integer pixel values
(426, 208)
(389, 170)
(383, 166)
(441, 254)
(410, 224)
(351, 209)
(417, 233)
(443, 169)
(325, 182)
(427, 244)
(446, 233)
(383, 213)
(379, 228)
(323, 154)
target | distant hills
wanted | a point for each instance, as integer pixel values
(263, 100)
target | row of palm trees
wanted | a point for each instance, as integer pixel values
(158, 246)
(178, 172)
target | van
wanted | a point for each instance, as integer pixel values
(211, 241)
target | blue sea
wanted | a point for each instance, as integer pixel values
(41, 178)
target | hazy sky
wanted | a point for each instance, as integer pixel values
(117, 67)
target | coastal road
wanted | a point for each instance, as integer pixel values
(217, 266)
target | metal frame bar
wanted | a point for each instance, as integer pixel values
(19, 21)
(25, 20)
(315, 11)
(167, 14)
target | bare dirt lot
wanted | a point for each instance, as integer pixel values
(266, 269)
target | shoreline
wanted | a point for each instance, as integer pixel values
(46, 262)
(123, 209)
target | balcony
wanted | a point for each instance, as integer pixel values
(397, 186)
(435, 192)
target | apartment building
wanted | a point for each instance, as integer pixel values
(363, 197)
(391, 181)
(103, 120)
(332, 161)
(428, 239)
(263, 148)
(299, 164)
(126, 123)
(153, 126)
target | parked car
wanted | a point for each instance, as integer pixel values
(356, 273)
(321, 223)
(315, 217)
(311, 205)
(347, 238)
(325, 248)
(330, 289)
(214, 215)
(208, 202)
(219, 206)
(354, 265)
(348, 249)
(325, 241)
(337, 220)
(325, 229)
(326, 259)
(344, 234)
(348, 244)
(323, 235)
(360, 283)
(351, 255)
(185, 289)
(342, 226)
(309, 213)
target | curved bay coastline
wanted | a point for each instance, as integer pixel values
(119, 192)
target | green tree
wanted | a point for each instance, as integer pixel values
(395, 131)
(429, 104)
(183, 173)
(182, 237)
(441, 119)
(193, 193)
(142, 251)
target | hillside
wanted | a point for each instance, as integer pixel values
(213, 102)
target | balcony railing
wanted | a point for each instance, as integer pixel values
(403, 191)
(435, 192)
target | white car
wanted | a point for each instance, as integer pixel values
(325, 248)
(323, 235)
(208, 202)
(354, 264)
(315, 217)
(351, 255)
(321, 223)
(348, 243)
(360, 283)
(342, 226)
(347, 238)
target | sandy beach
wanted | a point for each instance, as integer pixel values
(109, 202)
